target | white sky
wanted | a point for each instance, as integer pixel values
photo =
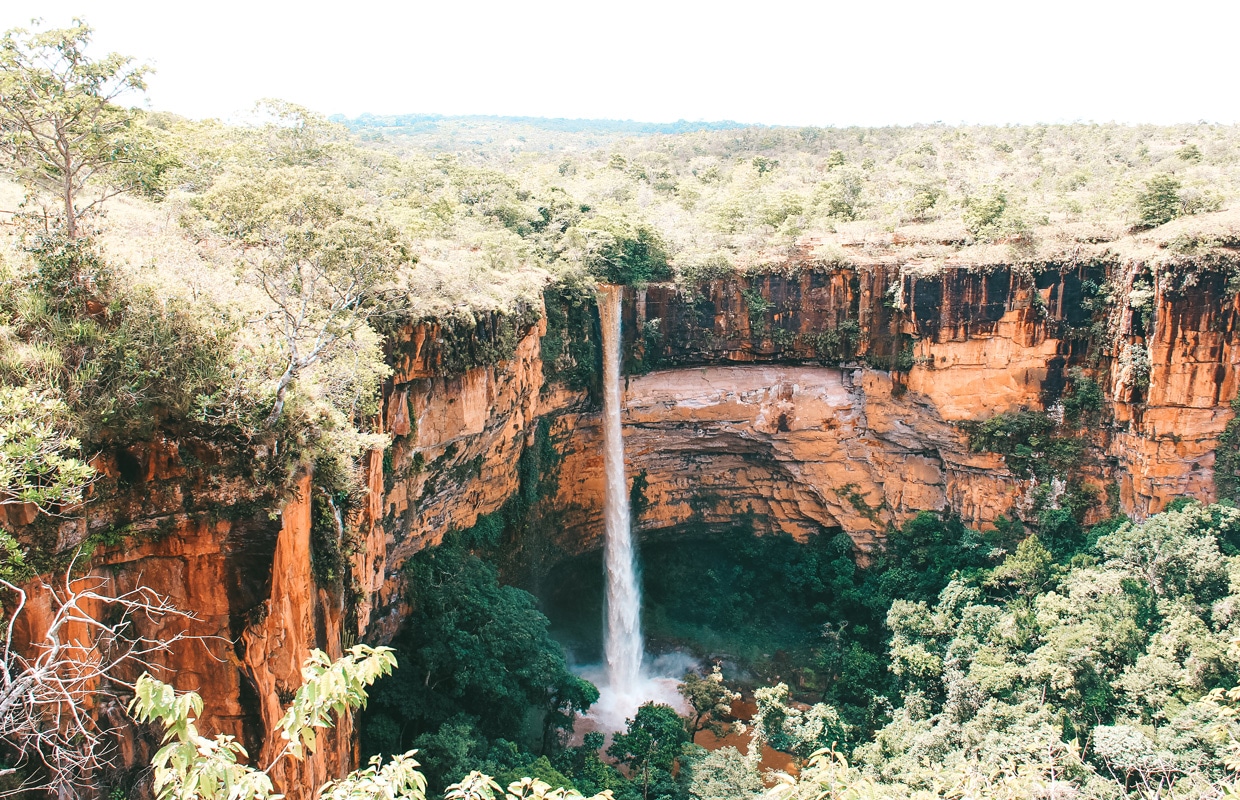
(868, 62)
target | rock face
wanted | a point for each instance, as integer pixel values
(795, 449)
(822, 399)
(257, 611)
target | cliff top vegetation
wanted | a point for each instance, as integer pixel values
(749, 198)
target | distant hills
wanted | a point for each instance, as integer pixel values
(609, 127)
(498, 137)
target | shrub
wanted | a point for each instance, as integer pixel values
(1159, 203)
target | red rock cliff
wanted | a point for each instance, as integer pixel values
(825, 398)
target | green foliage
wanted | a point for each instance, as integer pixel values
(1227, 458)
(710, 699)
(119, 357)
(652, 740)
(570, 348)
(927, 552)
(1190, 153)
(398, 778)
(1006, 666)
(622, 252)
(59, 125)
(829, 775)
(764, 165)
(803, 613)
(1030, 442)
(1025, 571)
(839, 344)
(478, 664)
(318, 252)
(789, 729)
(191, 766)
(34, 465)
(1085, 402)
(331, 687)
(1159, 202)
(717, 196)
(723, 774)
(839, 196)
(481, 340)
(758, 307)
(13, 567)
(590, 773)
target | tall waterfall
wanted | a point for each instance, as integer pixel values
(623, 635)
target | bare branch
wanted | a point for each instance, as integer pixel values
(90, 652)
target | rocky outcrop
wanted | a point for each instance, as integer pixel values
(1167, 425)
(255, 611)
(794, 449)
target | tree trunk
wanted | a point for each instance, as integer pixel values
(70, 217)
(281, 391)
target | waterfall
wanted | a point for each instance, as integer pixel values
(623, 632)
(624, 682)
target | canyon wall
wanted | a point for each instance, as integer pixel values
(822, 398)
(853, 418)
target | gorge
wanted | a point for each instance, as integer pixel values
(437, 457)
(740, 419)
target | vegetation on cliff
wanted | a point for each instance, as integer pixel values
(740, 198)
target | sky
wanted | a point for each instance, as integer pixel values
(863, 62)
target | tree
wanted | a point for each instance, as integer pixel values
(652, 740)
(790, 729)
(60, 127)
(191, 766)
(566, 697)
(1027, 570)
(709, 697)
(622, 252)
(1159, 203)
(478, 663)
(723, 774)
(318, 252)
(51, 693)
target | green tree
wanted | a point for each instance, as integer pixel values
(709, 697)
(60, 127)
(789, 729)
(990, 216)
(622, 252)
(589, 771)
(1027, 570)
(317, 251)
(650, 743)
(1159, 202)
(477, 655)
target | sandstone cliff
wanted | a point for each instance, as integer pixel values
(827, 397)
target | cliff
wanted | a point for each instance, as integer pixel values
(826, 397)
